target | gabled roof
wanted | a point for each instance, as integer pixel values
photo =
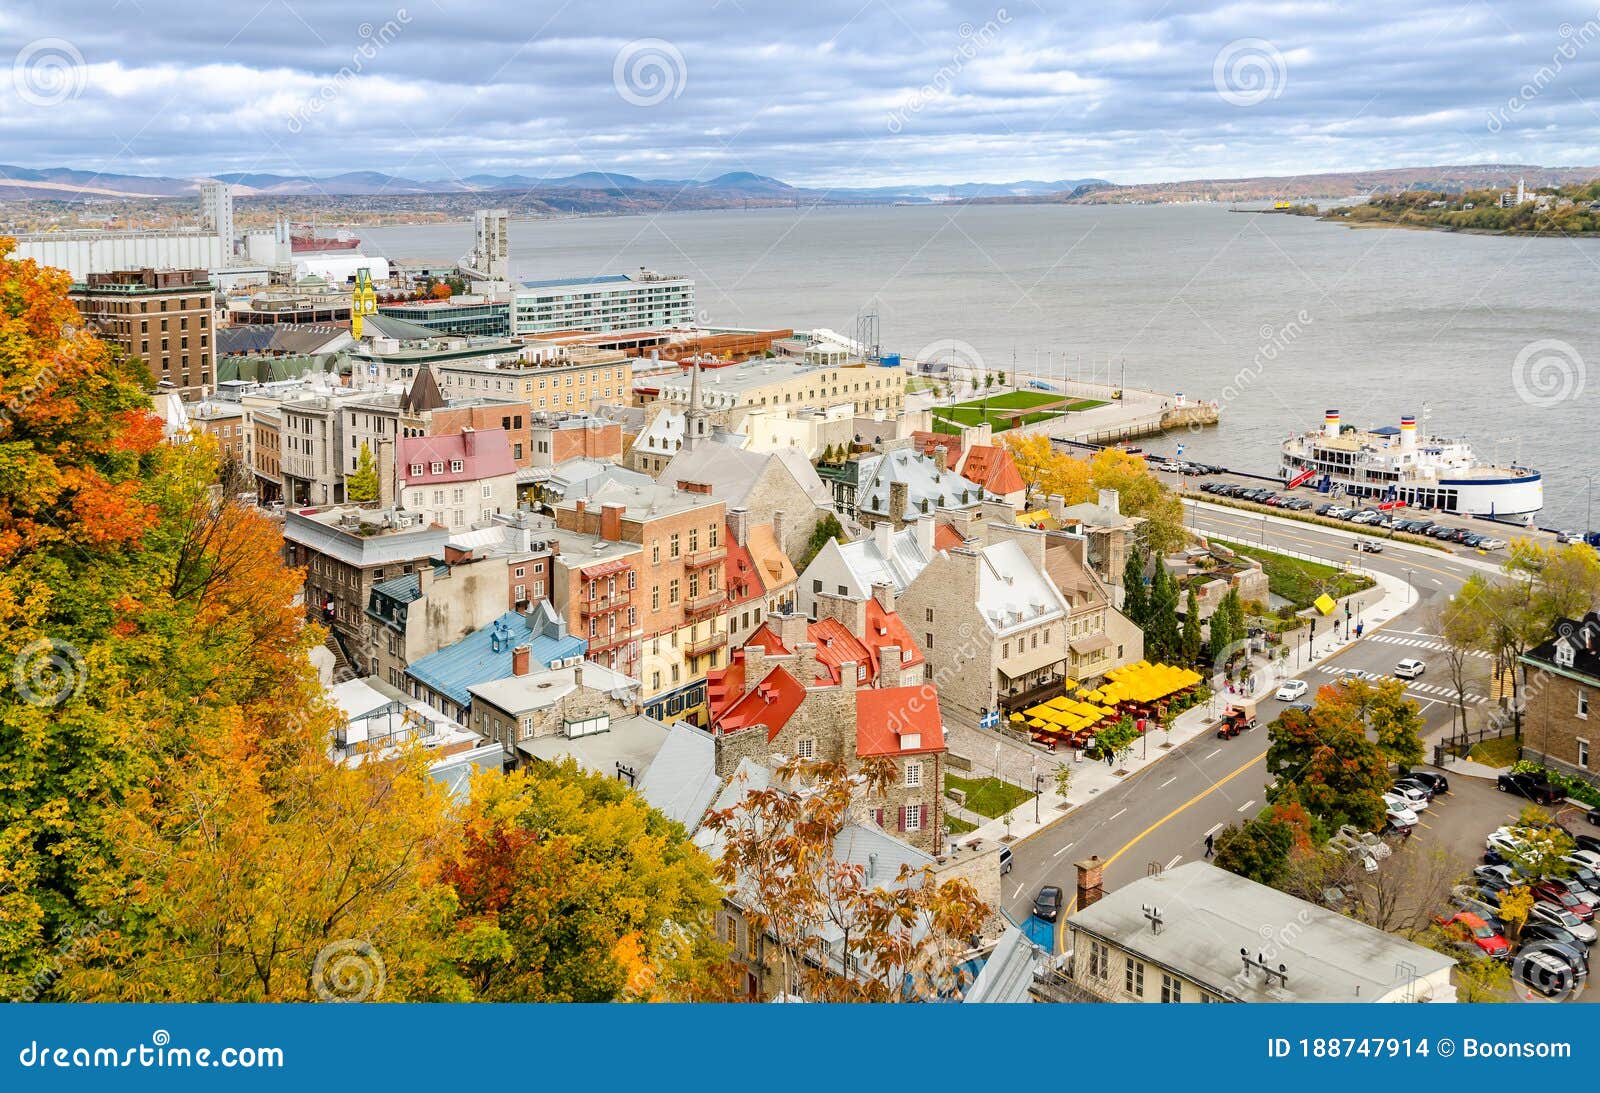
(925, 443)
(775, 566)
(885, 716)
(991, 466)
(482, 453)
(485, 654)
(946, 537)
(1011, 592)
(927, 487)
(682, 779)
(837, 646)
(725, 685)
(741, 577)
(870, 566)
(1581, 637)
(424, 393)
(771, 703)
(888, 628)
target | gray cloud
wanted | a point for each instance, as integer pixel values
(825, 92)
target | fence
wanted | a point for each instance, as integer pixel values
(1459, 744)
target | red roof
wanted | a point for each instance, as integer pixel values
(946, 537)
(894, 632)
(482, 453)
(926, 442)
(884, 717)
(991, 466)
(766, 637)
(740, 575)
(837, 646)
(725, 686)
(771, 703)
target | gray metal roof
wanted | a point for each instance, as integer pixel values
(682, 779)
(1008, 973)
(1208, 914)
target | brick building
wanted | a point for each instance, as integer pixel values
(166, 318)
(1562, 683)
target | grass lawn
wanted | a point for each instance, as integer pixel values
(1300, 581)
(1500, 752)
(957, 825)
(988, 796)
(1015, 400)
(949, 419)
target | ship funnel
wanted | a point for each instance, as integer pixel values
(1408, 432)
(1330, 423)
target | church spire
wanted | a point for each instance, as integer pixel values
(694, 418)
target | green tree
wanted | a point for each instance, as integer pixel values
(1191, 628)
(1063, 779)
(1162, 640)
(1257, 849)
(1135, 600)
(1322, 758)
(827, 528)
(362, 485)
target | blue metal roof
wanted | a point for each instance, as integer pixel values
(406, 588)
(609, 279)
(485, 655)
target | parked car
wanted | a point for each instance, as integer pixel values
(1326, 509)
(1489, 542)
(1559, 935)
(1569, 537)
(1438, 782)
(1417, 783)
(1550, 912)
(1047, 904)
(1415, 796)
(1586, 858)
(1558, 896)
(1497, 877)
(1531, 786)
(1005, 860)
(1292, 689)
(1472, 539)
(1586, 842)
(1472, 929)
(1410, 668)
(1589, 879)
(1578, 890)
(1546, 972)
(1399, 819)
(1504, 843)
(1370, 840)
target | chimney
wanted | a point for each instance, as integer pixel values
(755, 666)
(577, 675)
(778, 528)
(520, 657)
(580, 506)
(889, 666)
(739, 524)
(805, 663)
(685, 486)
(611, 523)
(941, 458)
(883, 592)
(468, 440)
(1112, 500)
(791, 629)
(386, 472)
(899, 500)
(848, 674)
(883, 537)
(1057, 505)
(925, 535)
(1090, 880)
(1330, 423)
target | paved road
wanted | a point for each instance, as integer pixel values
(1161, 816)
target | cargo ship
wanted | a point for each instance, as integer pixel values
(306, 240)
(1395, 465)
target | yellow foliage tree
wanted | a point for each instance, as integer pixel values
(1047, 471)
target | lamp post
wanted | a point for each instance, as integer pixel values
(1410, 590)
(1588, 496)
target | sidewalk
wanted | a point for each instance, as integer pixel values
(1019, 763)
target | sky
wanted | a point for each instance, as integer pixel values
(852, 93)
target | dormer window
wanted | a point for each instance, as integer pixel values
(911, 741)
(416, 470)
(436, 468)
(455, 466)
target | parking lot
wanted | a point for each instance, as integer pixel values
(1372, 518)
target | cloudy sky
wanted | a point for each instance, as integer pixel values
(857, 92)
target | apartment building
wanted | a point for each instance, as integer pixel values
(681, 604)
(223, 422)
(313, 455)
(458, 479)
(645, 300)
(550, 379)
(782, 383)
(165, 317)
(1563, 680)
(594, 585)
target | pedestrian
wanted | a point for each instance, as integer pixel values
(1211, 842)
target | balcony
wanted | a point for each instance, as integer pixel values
(708, 604)
(599, 604)
(702, 646)
(601, 643)
(701, 558)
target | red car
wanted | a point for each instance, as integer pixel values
(1558, 895)
(1467, 925)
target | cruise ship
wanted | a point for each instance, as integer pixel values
(1389, 464)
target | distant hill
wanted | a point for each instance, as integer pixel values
(1334, 184)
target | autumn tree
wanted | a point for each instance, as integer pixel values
(1141, 494)
(1257, 849)
(1382, 706)
(1323, 757)
(1516, 904)
(362, 485)
(570, 888)
(839, 934)
(1048, 471)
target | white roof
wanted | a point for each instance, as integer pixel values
(539, 690)
(870, 566)
(1011, 592)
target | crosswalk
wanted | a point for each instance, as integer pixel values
(1415, 688)
(1416, 643)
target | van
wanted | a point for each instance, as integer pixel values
(1005, 860)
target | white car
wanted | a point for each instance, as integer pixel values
(1504, 843)
(1410, 668)
(1373, 842)
(1586, 858)
(1394, 802)
(1292, 689)
(1491, 544)
(1416, 798)
(1560, 916)
(1398, 815)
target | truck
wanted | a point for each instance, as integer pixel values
(1240, 716)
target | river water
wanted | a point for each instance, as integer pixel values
(1277, 317)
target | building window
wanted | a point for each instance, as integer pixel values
(437, 468)
(1583, 754)
(672, 590)
(913, 817)
(913, 773)
(927, 641)
(1133, 977)
(655, 598)
(694, 540)
(672, 546)
(655, 552)
(930, 614)
(1099, 960)
(1171, 988)
(455, 466)
(1583, 705)
(805, 749)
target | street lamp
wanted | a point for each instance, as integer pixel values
(1410, 588)
(1588, 494)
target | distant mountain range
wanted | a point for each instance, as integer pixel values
(738, 187)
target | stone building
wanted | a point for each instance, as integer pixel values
(458, 480)
(1562, 682)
